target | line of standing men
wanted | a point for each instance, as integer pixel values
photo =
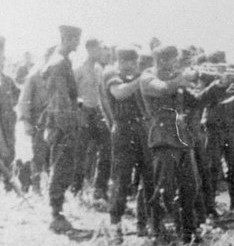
(175, 177)
(61, 110)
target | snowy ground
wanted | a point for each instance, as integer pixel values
(22, 225)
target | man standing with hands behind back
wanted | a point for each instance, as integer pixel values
(61, 120)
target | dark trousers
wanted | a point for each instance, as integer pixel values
(95, 147)
(214, 151)
(175, 169)
(229, 157)
(129, 149)
(63, 159)
(41, 156)
(205, 175)
(220, 142)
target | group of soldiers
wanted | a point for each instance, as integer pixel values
(154, 123)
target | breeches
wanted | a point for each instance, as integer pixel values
(129, 151)
(175, 186)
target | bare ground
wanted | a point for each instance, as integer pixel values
(24, 225)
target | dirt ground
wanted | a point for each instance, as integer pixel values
(24, 225)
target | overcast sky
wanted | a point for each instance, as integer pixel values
(32, 24)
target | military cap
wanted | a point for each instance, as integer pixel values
(2, 42)
(217, 57)
(185, 57)
(200, 59)
(165, 53)
(186, 53)
(127, 54)
(145, 57)
(92, 43)
(69, 31)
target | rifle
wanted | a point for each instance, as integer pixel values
(223, 72)
(215, 71)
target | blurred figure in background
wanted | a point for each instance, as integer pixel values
(128, 138)
(8, 99)
(32, 102)
(24, 69)
(95, 136)
(154, 43)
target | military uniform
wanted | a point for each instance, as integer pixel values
(8, 99)
(32, 102)
(173, 166)
(194, 102)
(9, 96)
(213, 119)
(228, 146)
(223, 140)
(172, 143)
(61, 123)
(129, 147)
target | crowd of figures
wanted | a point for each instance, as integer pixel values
(156, 123)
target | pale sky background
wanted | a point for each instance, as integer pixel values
(32, 24)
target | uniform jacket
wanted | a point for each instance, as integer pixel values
(33, 99)
(168, 112)
(61, 112)
(8, 99)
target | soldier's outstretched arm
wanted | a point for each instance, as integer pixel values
(212, 93)
(152, 86)
(124, 90)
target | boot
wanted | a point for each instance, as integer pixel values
(141, 230)
(116, 235)
(60, 224)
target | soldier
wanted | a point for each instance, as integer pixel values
(9, 96)
(169, 150)
(145, 61)
(217, 57)
(129, 146)
(204, 204)
(214, 121)
(61, 119)
(228, 145)
(24, 69)
(171, 141)
(95, 131)
(31, 105)
(221, 141)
